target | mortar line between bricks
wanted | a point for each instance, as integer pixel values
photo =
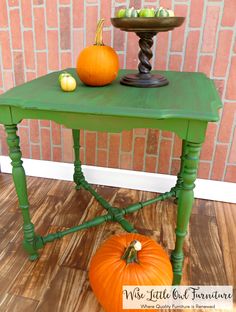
(203, 24)
(224, 100)
(186, 32)
(211, 75)
(10, 41)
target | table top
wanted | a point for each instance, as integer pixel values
(188, 96)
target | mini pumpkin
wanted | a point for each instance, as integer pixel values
(98, 65)
(127, 259)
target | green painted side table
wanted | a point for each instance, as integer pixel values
(185, 107)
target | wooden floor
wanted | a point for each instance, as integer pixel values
(58, 281)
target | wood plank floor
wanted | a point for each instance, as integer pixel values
(58, 281)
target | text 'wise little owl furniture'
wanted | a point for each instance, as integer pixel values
(184, 107)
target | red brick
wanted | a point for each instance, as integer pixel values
(220, 85)
(126, 161)
(121, 60)
(26, 14)
(167, 134)
(35, 151)
(8, 80)
(223, 51)
(164, 157)
(57, 153)
(177, 41)
(13, 3)
(6, 52)
(150, 163)
(24, 123)
(230, 175)
(175, 62)
(204, 170)
(191, 51)
(113, 157)
(38, 2)
(24, 141)
(3, 142)
(106, 12)
(91, 24)
(166, 3)
(81, 137)
(53, 50)
(175, 166)
(39, 27)
(152, 141)
(231, 86)
(78, 13)
(46, 144)
(56, 133)
(210, 29)
(30, 76)
(82, 156)
(177, 150)
(18, 68)
(90, 154)
(29, 49)
(139, 131)
(196, 13)
(41, 63)
(68, 155)
(34, 131)
(138, 157)
(205, 64)
(219, 162)
(132, 51)
(107, 37)
(102, 139)
(101, 158)
(119, 40)
(227, 119)
(208, 146)
(127, 140)
(232, 155)
(65, 1)
(229, 13)
(3, 14)
(66, 60)
(51, 13)
(65, 35)
(78, 44)
(45, 123)
(161, 51)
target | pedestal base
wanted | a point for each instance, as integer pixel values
(144, 80)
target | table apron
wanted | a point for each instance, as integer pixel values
(185, 129)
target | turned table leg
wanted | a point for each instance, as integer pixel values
(78, 174)
(18, 173)
(185, 203)
(179, 182)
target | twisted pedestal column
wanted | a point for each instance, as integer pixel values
(144, 78)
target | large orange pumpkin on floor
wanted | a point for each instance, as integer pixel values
(127, 259)
(98, 65)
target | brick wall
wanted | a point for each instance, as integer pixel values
(39, 36)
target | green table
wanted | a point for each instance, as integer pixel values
(185, 107)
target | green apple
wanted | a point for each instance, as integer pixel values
(62, 75)
(121, 13)
(147, 13)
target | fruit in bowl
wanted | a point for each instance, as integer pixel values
(144, 12)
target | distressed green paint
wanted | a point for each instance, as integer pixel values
(5, 115)
(185, 107)
(189, 96)
(19, 179)
(185, 203)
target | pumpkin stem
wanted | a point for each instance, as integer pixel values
(131, 253)
(98, 36)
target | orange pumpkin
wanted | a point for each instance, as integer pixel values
(118, 262)
(98, 65)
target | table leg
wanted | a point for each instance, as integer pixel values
(78, 174)
(18, 173)
(179, 182)
(185, 202)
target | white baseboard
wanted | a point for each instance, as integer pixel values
(205, 189)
